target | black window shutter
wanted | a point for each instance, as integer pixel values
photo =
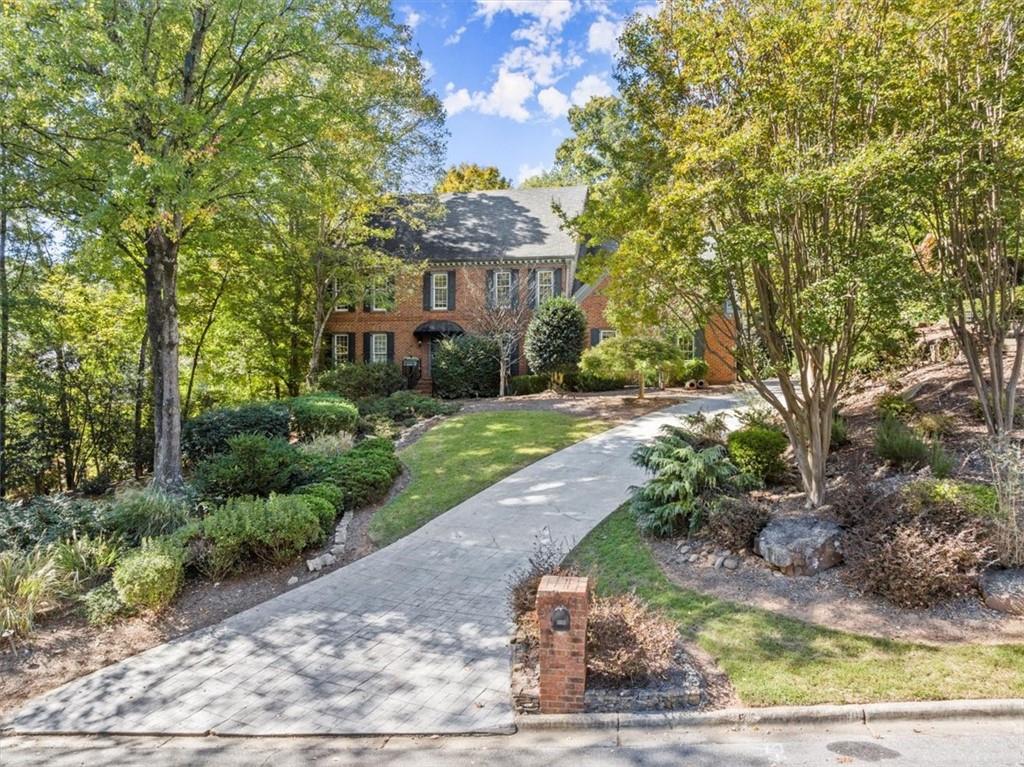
(595, 336)
(451, 291)
(366, 347)
(427, 303)
(698, 344)
(558, 282)
(531, 288)
(391, 346)
(351, 347)
(515, 287)
(489, 288)
(327, 352)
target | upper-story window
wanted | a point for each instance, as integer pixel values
(382, 295)
(503, 289)
(340, 351)
(545, 285)
(439, 290)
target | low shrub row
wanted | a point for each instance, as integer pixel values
(357, 382)
(404, 408)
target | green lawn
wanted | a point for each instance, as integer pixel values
(468, 453)
(773, 660)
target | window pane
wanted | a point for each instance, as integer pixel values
(382, 295)
(379, 347)
(440, 283)
(545, 285)
(503, 288)
(340, 347)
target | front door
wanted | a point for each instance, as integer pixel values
(431, 351)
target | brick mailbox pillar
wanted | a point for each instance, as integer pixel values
(562, 606)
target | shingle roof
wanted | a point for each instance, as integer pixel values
(498, 225)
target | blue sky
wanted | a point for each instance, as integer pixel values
(508, 70)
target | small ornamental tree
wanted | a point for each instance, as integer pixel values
(554, 339)
(635, 356)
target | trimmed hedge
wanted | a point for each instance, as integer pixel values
(326, 491)
(405, 407)
(322, 413)
(465, 366)
(529, 384)
(356, 381)
(364, 474)
(149, 578)
(208, 433)
(583, 381)
(757, 451)
(254, 465)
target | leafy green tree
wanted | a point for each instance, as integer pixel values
(635, 356)
(470, 177)
(554, 338)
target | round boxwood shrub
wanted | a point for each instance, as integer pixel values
(148, 578)
(757, 451)
(324, 490)
(465, 366)
(208, 433)
(356, 381)
(322, 413)
(323, 509)
(554, 339)
(253, 465)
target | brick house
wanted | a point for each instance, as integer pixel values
(501, 245)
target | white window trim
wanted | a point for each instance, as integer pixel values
(688, 345)
(433, 291)
(606, 333)
(540, 272)
(373, 347)
(382, 286)
(508, 301)
(334, 346)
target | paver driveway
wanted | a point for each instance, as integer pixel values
(411, 639)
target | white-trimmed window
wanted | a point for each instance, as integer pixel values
(382, 295)
(341, 304)
(686, 345)
(604, 335)
(439, 290)
(339, 348)
(378, 347)
(502, 289)
(545, 285)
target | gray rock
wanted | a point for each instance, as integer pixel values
(1003, 590)
(731, 563)
(320, 562)
(293, 580)
(718, 562)
(801, 545)
(693, 558)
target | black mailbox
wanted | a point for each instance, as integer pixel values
(560, 620)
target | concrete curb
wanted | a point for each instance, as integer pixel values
(877, 712)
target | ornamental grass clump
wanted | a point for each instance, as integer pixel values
(30, 583)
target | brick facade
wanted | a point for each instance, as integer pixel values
(562, 655)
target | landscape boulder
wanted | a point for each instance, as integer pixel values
(801, 545)
(1003, 590)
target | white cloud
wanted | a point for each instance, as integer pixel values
(542, 66)
(455, 36)
(588, 87)
(412, 18)
(550, 14)
(603, 35)
(506, 98)
(529, 171)
(428, 68)
(553, 102)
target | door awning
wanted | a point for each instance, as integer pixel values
(438, 328)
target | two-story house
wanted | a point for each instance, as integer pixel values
(503, 246)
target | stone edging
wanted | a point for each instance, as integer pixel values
(910, 711)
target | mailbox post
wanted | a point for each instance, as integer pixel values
(562, 606)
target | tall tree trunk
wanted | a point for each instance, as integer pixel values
(4, 346)
(295, 341)
(162, 324)
(140, 389)
(64, 413)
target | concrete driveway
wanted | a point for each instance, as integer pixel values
(411, 639)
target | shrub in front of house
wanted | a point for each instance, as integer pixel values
(272, 530)
(102, 605)
(148, 578)
(322, 508)
(627, 642)
(322, 413)
(253, 465)
(209, 432)
(554, 338)
(534, 383)
(364, 474)
(404, 408)
(137, 513)
(327, 491)
(678, 373)
(356, 381)
(584, 381)
(757, 451)
(465, 366)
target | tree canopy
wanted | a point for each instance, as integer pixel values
(470, 177)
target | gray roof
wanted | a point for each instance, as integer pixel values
(498, 225)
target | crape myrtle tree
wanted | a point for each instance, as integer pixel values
(172, 113)
(760, 172)
(966, 185)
